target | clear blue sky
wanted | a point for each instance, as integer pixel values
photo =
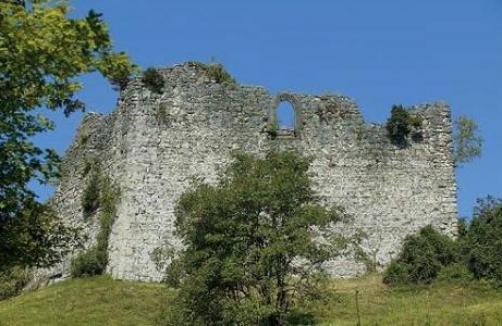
(377, 52)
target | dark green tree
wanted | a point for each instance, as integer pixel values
(422, 257)
(484, 240)
(252, 245)
(42, 52)
(35, 237)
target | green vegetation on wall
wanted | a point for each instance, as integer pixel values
(153, 80)
(217, 73)
(95, 260)
(273, 130)
(90, 197)
(400, 125)
(163, 116)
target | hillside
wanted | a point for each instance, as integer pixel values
(94, 301)
(102, 301)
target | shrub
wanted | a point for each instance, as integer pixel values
(484, 240)
(455, 273)
(153, 80)
(217, 73)
(396, 274)
(400, 125)
(422, 257)
(89, 263)
(12, 281)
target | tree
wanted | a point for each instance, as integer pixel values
(467, 141)
(35, 237)
(42, 52)
(252, 245)
(484, 240)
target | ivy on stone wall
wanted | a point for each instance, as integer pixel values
(90, 197)
(273, 130)
(163, 116)
(94, 261)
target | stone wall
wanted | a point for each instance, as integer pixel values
(152, 145)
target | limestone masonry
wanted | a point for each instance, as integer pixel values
(152, 145)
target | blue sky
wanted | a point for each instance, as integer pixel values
(378, 52)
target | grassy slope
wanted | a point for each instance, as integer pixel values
(447, 304)
(101, 301)
(96, 301)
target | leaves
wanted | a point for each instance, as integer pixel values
(252, 243)
(468, 142)
(42, 52)
(484, 240)
(35, 237)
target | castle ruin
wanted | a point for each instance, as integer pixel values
(153, 144)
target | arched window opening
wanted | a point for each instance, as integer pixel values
(286, 115)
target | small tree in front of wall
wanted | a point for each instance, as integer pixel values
(252, 250)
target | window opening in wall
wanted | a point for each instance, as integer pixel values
(286, 115)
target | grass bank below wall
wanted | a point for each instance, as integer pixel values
(102, 301)
(476, 304)
(90, 301)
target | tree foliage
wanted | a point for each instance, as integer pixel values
(251, 244)
(474, 254)
(42, 52)
(468, 142)
(12, 281)
(422, 257)
(35, 237)
(484, 240)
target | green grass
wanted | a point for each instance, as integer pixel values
(102, 301)
(92, 301)
(442, 304)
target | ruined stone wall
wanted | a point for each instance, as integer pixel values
(152, 145)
